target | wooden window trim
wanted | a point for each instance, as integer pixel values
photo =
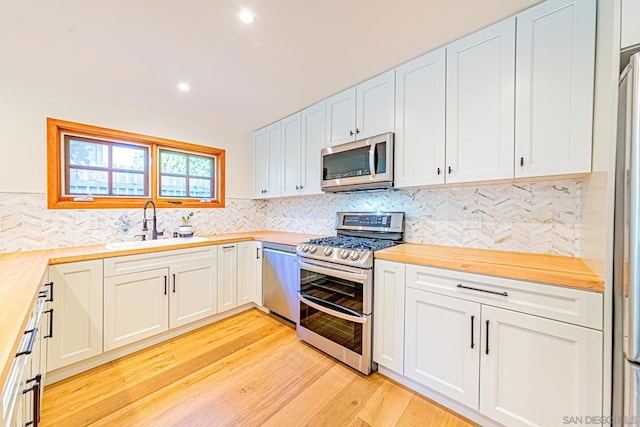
(55, 194)
(188, 175)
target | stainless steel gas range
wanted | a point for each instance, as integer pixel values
(336, 285)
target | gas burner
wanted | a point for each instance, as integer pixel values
(349, 242)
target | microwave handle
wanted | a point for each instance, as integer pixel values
(372, 160)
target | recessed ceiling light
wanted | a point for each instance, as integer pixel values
(183, 87)
(246, 16)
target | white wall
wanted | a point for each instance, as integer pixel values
(26, 102)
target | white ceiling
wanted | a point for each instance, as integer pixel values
(295, 53)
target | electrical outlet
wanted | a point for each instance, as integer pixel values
(472, 221)
(93, 223)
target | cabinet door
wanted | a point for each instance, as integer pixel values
(375, 106)
(420, 121)
(388, 321)
(629, 28)
(77, 313)
(442, 344)
(341, 117)
(554, 86)
(249, 273)
(227, 277)
(535, 371)
(313, 141)
(194, 292)
(259, 157)
(136, 306)
(274, 160)
(291, 155)
(480, 99)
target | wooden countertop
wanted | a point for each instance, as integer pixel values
(547, 269)
(21, 274)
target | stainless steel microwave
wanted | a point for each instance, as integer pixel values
(359, 165)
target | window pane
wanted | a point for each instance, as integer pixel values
(200, 166)
(200, 188)
(172, 186)
(82, 181)
(83, 153)
(171, 162)
(128, 184)
(129, 158)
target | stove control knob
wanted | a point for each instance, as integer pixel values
(313, 249)
(328, 251)
(344, 254)
(304, 248)
(355, 255)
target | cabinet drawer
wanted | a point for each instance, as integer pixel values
(554, 302)
(132, 263)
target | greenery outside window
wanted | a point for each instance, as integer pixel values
(92, 167)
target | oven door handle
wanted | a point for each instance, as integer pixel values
(355, 277)
(322, 308)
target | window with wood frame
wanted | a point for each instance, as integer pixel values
(94, 167)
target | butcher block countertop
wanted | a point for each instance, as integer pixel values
(21, 274)
(541, 268)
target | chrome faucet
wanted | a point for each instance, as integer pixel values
(154, 230)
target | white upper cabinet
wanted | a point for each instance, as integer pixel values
(273, 135)
(420, 121)
(291, 155)
(362, 111)
(480, 104)
(341, 117)
(375, 106)
(259, 161)
(313, 141)
(554, 88)
(630, 30)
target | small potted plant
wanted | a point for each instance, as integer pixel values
(186, 229)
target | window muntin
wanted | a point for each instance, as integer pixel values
(186, 175)
(99, 161)
(105, 168)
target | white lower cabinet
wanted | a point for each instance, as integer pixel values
(76, 311)
(388, 319)
(535, 371)
(135, 307)
(193, 293)
(442, 344)
(250, 273)
(227, 277)
(481, 341)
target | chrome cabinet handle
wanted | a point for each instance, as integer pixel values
(503, 294)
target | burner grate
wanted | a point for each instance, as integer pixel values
(358, 243)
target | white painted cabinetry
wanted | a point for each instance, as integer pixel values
(292, 155)
(630, 30)
(442, 345)
(388, 319)
(147, 294)
(313, 141)
(267, 161)
(77, 313)
(420, 121)
(362, 111)
(535, 371)
(227, 277)
(250, 273)
(480, 104)
(341, 117)
(516, 352)
(554, 88)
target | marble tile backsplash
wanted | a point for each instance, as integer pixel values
(540, 217)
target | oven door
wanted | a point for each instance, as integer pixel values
(335, 305)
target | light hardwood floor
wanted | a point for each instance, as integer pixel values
(246, 370)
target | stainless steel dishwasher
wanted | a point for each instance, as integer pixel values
(280, 280)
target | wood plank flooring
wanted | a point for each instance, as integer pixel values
(249, 370)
